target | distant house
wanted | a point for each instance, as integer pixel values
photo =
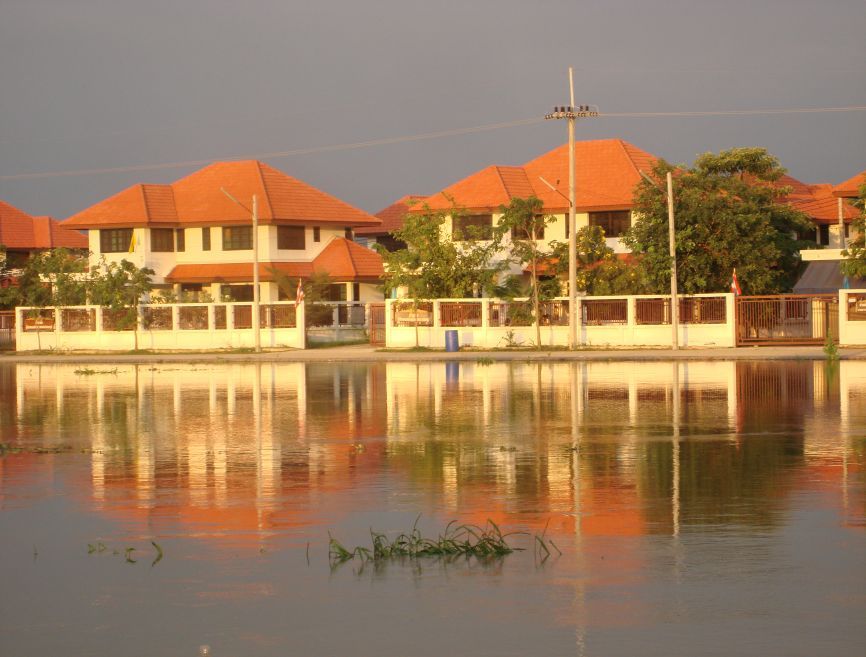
(392, 219)
(823, 274)
(607, 172)
(199, 242)
(22, 235)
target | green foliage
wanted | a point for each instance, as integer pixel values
(599, 271)
(855, 263)
(730, 212)
(119, 287)
(433, 266)
(831, 349)
(526, 220)
(48, 278)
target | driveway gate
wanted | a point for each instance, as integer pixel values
(787, 319)
(377, 324)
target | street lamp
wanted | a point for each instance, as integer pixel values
(672, 250)
(257, 320)
(571, 114)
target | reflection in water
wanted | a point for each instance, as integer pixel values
(613, 456)
(598, 447)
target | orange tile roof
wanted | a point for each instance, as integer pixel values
(198, 199)
(851, 187)
(346, 261)
(20, 231)
(392, 217)
(343, 260)
(822, 206)
(607, 172)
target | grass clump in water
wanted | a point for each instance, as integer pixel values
(486, 542)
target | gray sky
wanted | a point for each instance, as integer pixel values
(109, 83)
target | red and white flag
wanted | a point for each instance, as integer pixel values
(299, 296)
(735, 284)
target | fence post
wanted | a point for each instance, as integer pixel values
(57, 317)
(731, 317)
(211, 318)
(19, 327)
(230, 317)
(175, 318)
(389, 320)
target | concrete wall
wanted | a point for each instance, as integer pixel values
(49, 335)
(625, 334)
(852, 332)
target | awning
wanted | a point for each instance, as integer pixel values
(825, 277)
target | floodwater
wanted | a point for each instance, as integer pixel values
(702, 508)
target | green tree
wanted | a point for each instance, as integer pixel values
(433, 266)
(526, 220)
(730, 212)
(119, 287)
(855, 263)
(599, 271)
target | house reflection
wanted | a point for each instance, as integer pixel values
(596, 449)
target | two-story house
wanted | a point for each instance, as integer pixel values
(607, 172)
(196, 234)
(22, 235)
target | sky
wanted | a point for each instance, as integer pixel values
(96, 84)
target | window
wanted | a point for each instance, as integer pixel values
(824, 234)
(335, 292)
(473, 227)
(521, 232)
(348, 233)
(161, 240)
(237, 292)
(115, 240)
(180, 239)
(356, 291)
(614, 224)
(237, 238)
(317, 234)
(291, 238)
(205, 238)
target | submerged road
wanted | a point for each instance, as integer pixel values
(368, 353)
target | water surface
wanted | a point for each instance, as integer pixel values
(702, 508)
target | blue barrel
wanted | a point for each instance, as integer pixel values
(451, 342)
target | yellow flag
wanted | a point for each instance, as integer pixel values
(132, 243)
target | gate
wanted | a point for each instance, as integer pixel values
(793, 319)
(377, 324)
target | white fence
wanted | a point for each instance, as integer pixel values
(852, 318)
(159, 326)
(612, 321)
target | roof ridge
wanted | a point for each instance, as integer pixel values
(348, 247)
(628, 156)
(264, 187)
(144, 202)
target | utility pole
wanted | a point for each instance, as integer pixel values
(570, 114)
(672, 247)
(257, 317)
(672, 250)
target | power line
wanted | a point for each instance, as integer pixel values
(410, 138)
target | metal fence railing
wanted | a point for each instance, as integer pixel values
(605, 311)
(460, 313)
(78, 319)
(410, 314)
(703, 310)
(856, 308)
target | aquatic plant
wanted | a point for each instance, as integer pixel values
(831, 349)
(87, 371)
(487, 542)
(484, 362)
(158, 553)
